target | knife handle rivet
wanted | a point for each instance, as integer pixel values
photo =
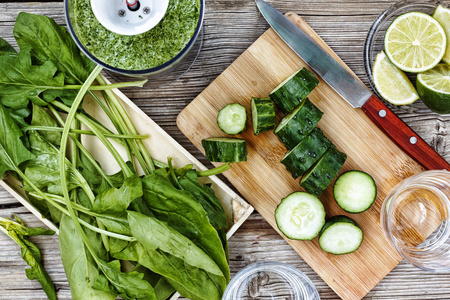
(413, 140)
(382, 113)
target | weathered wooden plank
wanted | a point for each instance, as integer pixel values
(230, 27)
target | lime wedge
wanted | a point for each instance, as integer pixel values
(434, 88)
(442, 15)
(415, 42)
(391, 82)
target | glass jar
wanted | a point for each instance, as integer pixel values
(415, 220)
(270, 280)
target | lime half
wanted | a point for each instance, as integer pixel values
(434, 88)
(391, 82)
(415, 42)
(442, 15)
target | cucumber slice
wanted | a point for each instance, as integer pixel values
(300, 216)
(232, 118)
(355, 191)
(306, 153)
(320, 176)
(263, 115)
(340, 235)
(298, 124)
(288, 94)
(225, 149)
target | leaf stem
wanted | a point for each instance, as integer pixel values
(85, 132)
(214, 171)
(108, 86)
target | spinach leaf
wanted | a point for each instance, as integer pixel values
(19, 115)
(30, 252)
(79, 266)
(116, 200)
(51, 42)
(182, 212)
(20, 81)
(41, 118)
(6, 48)
(12, 150)
(163, 289)
(191, 282)
(43, 170)
(207, 198)
(167, 252)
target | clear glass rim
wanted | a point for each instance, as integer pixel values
(291, 274)
(155, 70)
(387, 211)
(375, 28)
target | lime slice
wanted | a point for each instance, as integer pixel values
(391, 82)
(442, 15)
(415, 42)
(434, 88)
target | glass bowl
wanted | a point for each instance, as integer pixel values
(270, 280)
(415, 220)
(375, 38)
(168, 71)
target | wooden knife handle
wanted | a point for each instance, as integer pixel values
(403, 136)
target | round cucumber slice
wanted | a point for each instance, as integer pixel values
(232, 118)
(355, 191)
(300, 216)
(340, 235)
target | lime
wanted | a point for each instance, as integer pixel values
(442, 15)
(434, 88)
(415, 42)
(391, 82)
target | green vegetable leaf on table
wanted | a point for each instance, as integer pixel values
(6, 48)
(17, 231)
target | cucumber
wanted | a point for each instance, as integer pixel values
(355, 191)
(263, 115)
(298, 124)
(225, 149)
(306, 153)
(288, 94)
(232, 118)
(340, 235)
(319, 176)
(300, 216)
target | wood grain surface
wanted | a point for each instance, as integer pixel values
(231, 26)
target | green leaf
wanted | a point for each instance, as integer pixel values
(207, 198)
(51, 42)
(191, 282)
(20, 81)
(6, 48)
(30, 252)
(116, 200)
(19, 115)
(12, 150)
(183, 212)
(43, 170)
(169, 253)
(129, 285)
(79, 266)
(42, 118)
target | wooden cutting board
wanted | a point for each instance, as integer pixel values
(264, 181)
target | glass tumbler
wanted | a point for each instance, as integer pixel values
(415, 219)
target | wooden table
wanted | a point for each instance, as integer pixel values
(230, 27)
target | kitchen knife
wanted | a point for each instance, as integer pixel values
(350, 89)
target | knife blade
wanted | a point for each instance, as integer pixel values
(350, 89)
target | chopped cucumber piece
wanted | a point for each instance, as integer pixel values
(288, 94)
(263, 115)
(306, 153)
(355, 191)
(232, 118)
(298, 124)
(340, 235)
(225, 149)
(300, 216)
(322, 173)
